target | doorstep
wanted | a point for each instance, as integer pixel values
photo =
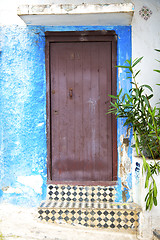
(90, 206)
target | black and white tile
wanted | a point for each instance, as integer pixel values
(80, 193)
(120, 216)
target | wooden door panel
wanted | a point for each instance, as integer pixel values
(86, 83)
(105, 121)
(78, 112)
(81, 132)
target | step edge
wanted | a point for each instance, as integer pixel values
(76, 205)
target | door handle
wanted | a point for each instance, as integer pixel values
(70, 92)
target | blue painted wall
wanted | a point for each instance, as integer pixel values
(23, 111)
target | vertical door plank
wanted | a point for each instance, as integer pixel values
(87, 152)
(79, 113)
(60, 165)
(105, 120)
(70, 114)
(94, 109)
(63, 143)
(55, 153)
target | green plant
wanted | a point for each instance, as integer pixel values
(1, 236)
(144, 119)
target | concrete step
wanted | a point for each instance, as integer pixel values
(114, 216)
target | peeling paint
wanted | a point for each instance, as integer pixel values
(124, 195)
(92, 105)
(33, 181)
(12, 190)
(119, 71)
(40, 124)
(125, 166)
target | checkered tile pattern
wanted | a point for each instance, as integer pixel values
(90, 206)
(116, 216)
(58, 215)
(80, 193)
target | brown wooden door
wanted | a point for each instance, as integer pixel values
(81, 132)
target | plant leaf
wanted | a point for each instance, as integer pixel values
(146, 196)
(149, 169)
(112, 96)
(120, 92)
(150, 96)
(147, 181)
(150, 126)
(147, 86)
(146, 100)
(137, 73)
(136, 62)
(144, 163)
(155, 201)
(154, 189)
(158, 50)
(151, 203)
(148, 203)
(122, 66)
(156, 70)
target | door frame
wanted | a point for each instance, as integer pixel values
(81, 36)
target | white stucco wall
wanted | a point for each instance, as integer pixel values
(149, 220)
(146, 38)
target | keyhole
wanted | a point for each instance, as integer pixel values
(70, 92)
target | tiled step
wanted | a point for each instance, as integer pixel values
(115, 216)
(90, 206)
(71, 193)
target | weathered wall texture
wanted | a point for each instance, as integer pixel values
(23, 115)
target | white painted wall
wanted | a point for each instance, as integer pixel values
(149, 220)
(146, 37)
